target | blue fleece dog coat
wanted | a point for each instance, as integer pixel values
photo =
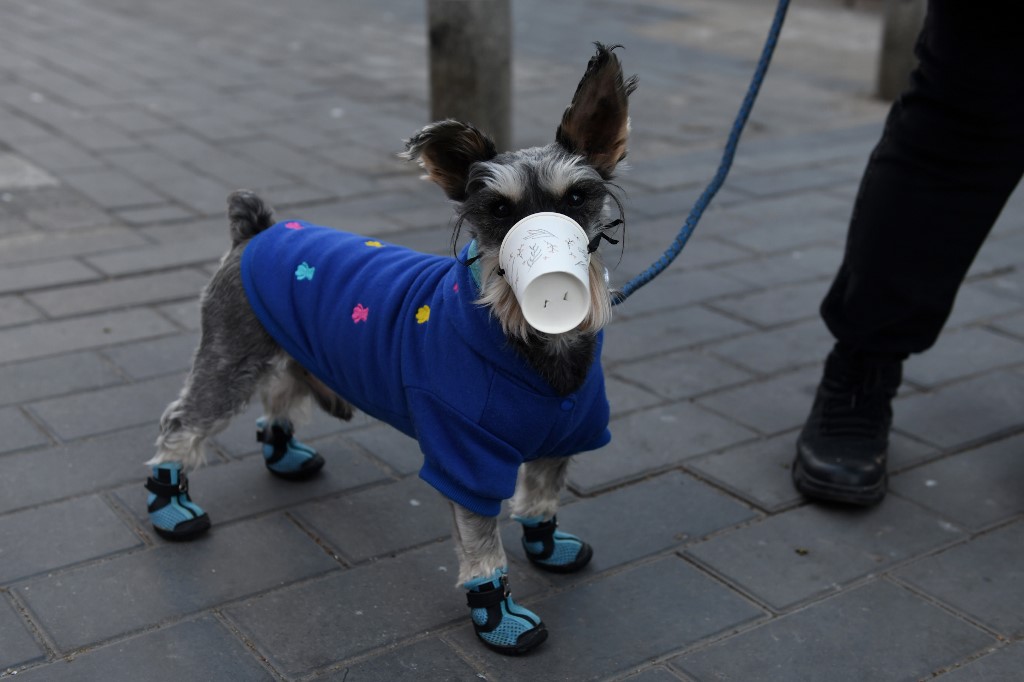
(398, 334)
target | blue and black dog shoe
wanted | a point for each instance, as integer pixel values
(500, 623)
(550, 549)
(285, 456)
(173, 513)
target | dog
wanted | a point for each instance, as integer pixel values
(436, 346)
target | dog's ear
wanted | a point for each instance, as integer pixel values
(446, 150)
(596, 122)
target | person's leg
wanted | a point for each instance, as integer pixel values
(950, 156)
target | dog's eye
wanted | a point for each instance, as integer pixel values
(574, 199)
(501, 209)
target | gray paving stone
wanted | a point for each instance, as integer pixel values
(642, 519)
(652, 441)
(19, 432)
(975, 489)
(1011, 324)
(975, 303)
(28, 277)
(47, 246)
(779, 349)
(1003, 665)
(382, 520)
(625, 397)
(108, 409)
(606, 627)
(653, 675)
(20, 647)
(682, 374)
(152, 358)
(111, 189)
(770, 406)
(76, 531)
(28, 381)
(351, 612)
(675, 288)
(96, 602)
(121, 293)
(431, 659)
(80, 215)
(811, 551)
(14, 310)
(961, 353)
(187, 251)
(760, 472)
(57, 154)
(185, 314)
(389, 445)
(200, 649)
(964, 412)
(643, 336)
(790, 236)
(796, 270)
(155, 214)
(876, 632)
(980, 578)
(94, 331)
(794, 180)
(85, 466)
(777, 305)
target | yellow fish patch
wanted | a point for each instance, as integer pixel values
(423, 314)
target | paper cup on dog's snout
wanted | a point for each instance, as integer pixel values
(546, 262)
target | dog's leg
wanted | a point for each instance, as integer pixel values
(534, 506)
(212, 394)
(234, 356)
(284, 395)
(499, 622)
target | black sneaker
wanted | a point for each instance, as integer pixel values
(842, 451)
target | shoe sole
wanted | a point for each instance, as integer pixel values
(309, 469)
(581, 560)
(186, 530)
(537, 636)
(861, 496)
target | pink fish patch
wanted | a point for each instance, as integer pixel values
(360, 313)
(293, 226)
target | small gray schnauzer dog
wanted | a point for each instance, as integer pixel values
(436, 346)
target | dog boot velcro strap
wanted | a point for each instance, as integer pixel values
(286, 456)
(550, 549)
(499, 622)
(173, 513)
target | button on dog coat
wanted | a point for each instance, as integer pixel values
(397, 333)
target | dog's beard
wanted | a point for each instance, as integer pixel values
(497, 295)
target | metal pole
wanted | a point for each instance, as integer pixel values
(470, 64)
(901, 24)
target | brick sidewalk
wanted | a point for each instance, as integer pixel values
(123, 126)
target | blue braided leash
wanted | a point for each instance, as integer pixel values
(723, 168)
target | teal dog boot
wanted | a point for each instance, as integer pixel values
(550, 549)
(284, 455)
(173, 513)
(500, 623)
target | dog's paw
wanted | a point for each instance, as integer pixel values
(500, 623)
(552, 550)
(286, 456)
(171, 511)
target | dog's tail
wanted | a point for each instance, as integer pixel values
(248, 215)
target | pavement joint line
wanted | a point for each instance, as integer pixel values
(250, 646)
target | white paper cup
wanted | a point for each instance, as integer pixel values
(546, 262)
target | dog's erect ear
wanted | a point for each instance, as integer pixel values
(446, 150)
(596, 123)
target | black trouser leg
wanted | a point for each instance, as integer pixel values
(951, 154)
